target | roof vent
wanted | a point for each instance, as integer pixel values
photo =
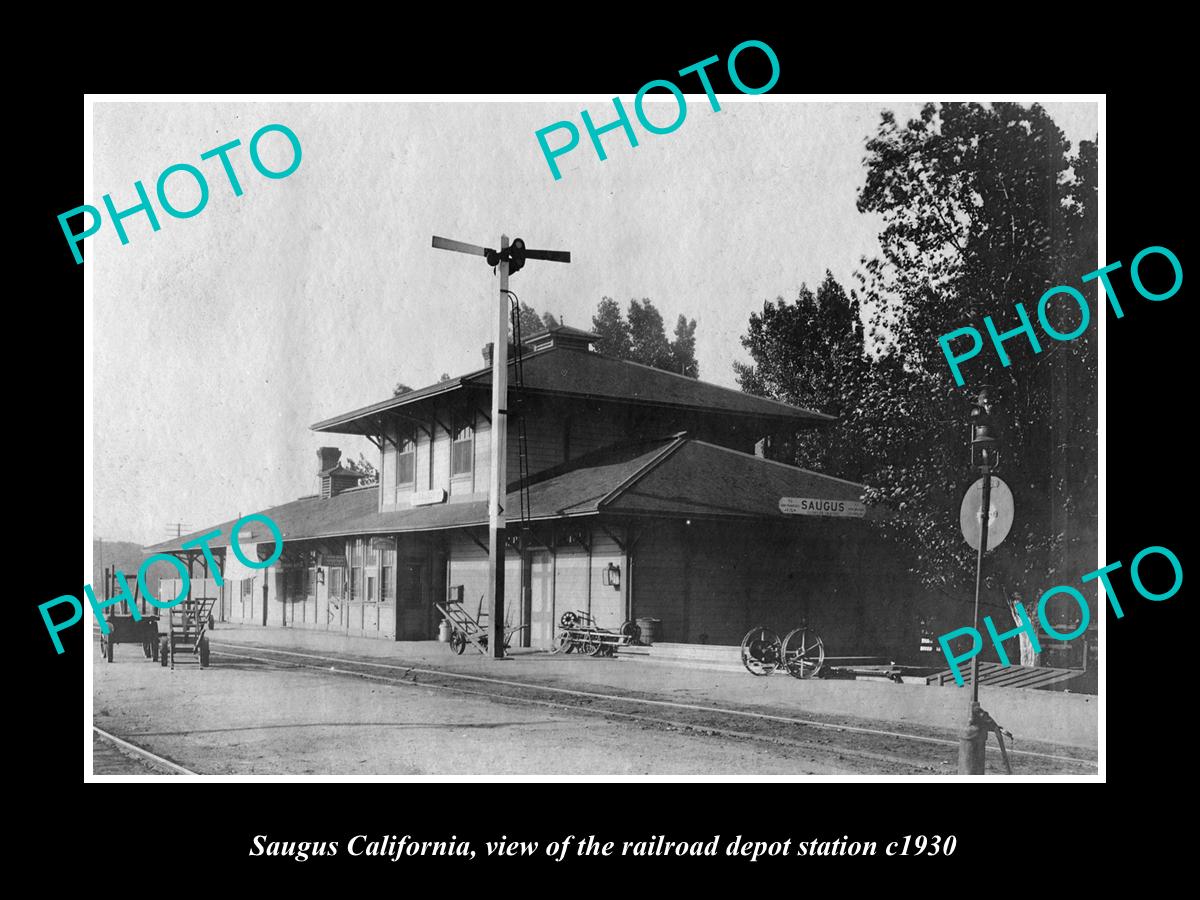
(563, 337)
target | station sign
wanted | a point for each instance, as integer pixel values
(812, 506)
(428, 498)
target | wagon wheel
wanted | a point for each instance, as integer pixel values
(803, 652)
(563, 643)
(599, 647)
(761, 651)
(204, 653)
(148, 648)
(106, 648)
(164, 652)
(458, 642)
(568, 619)
(631, 631)
(585, 643)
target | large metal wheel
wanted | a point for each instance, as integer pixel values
(585, 643)
(600, 648)
(106, 647)
(204, 653)
(458, 642)
(568, 619)
(803, 652)
(761, 651)
(148, 648)
(562, 643)
(164, 652)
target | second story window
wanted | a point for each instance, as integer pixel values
(406, 457)
(462, 445)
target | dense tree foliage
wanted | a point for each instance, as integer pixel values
(641, 337)
(981, 207)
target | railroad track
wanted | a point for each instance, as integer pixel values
(922, 754)
(141, 753)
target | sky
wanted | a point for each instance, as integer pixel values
(221, 338)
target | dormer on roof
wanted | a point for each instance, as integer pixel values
(335, 478)
(563, 337)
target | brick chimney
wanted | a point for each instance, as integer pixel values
(329, 457)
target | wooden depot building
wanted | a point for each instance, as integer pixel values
(645, 498)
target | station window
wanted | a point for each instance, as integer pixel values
(337, 581)
(356, 570)
(387, 577)
(462, 445)
(406, 456)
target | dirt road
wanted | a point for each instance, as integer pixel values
(260, 712)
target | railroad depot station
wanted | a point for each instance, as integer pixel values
(648, 496)
(634, 494)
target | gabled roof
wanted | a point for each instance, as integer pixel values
(571, 372)
(672, 477)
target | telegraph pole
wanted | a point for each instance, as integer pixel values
(498, 483)
(509, 260)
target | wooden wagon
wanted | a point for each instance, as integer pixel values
(128, 630)
(579, 633)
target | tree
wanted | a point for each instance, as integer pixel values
(612, 328)
(982, 207)
(400, 388)
(531, 322)
(369, 474)
(643, 339)
(683, 349)
(647, 338)
(811, 353)
(549, 321)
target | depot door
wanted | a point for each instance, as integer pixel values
(412, 604)
(541, 599)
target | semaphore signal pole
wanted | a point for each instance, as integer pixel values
(509, 259)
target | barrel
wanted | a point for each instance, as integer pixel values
(651, 630)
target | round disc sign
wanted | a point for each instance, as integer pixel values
(1000, 513)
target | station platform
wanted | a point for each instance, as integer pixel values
(1059, 719)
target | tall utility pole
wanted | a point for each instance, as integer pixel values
(498, 482)
(510, 259)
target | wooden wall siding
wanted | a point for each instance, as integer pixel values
(468, 566)
(595, 427)
(556, 431)
(716, 581)
(483, 461)
(441, 458)
(571, 583)
(608, 602)
(658, 579)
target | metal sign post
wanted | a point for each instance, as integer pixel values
(985, 455)
(509, 259)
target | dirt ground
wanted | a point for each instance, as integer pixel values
(343, 711)
(248, 719)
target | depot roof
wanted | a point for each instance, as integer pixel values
(573, 372)
(675, 477)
